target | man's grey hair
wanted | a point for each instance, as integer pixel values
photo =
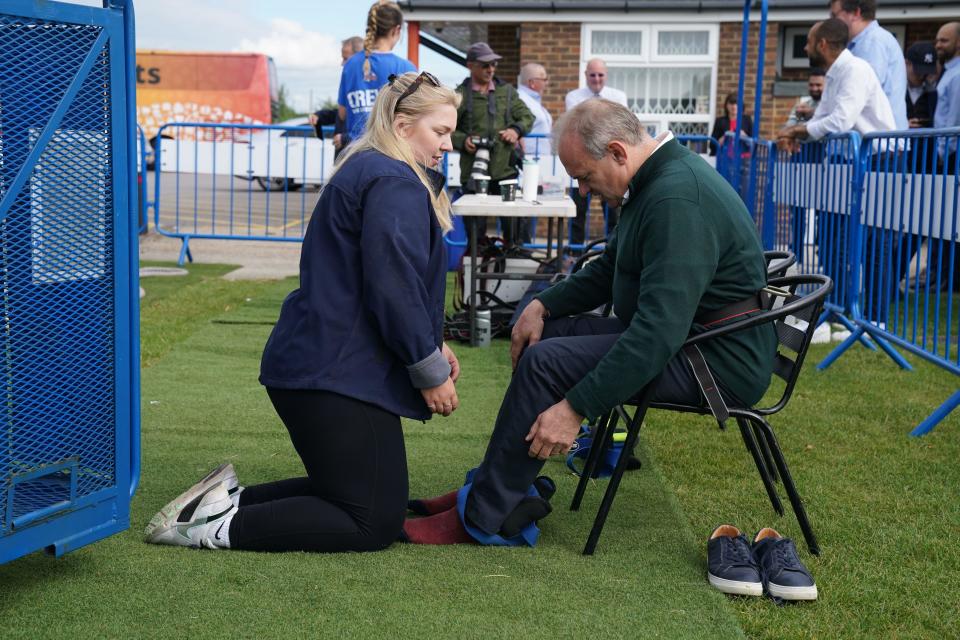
(599, 122)
(530, 70)
(355, 43)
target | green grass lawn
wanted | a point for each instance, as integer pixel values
(884, 506)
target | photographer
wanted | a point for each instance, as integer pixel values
(490, 121)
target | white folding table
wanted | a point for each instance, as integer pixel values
(475, 206)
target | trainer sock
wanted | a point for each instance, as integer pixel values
(441, 528)
(528, 511)
(433, 506)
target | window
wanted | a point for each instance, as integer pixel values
(668, 71)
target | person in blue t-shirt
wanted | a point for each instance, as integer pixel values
(368, 70)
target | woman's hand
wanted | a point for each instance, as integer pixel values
(452, 359)
(441, 399)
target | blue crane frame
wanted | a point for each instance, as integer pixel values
(70, 449)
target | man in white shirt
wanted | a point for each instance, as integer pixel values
(852, 100)
(533, 80)
(596, 77)
(807, 105)
(870, 42)
(852, 96)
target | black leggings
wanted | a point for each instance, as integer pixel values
(354, 497)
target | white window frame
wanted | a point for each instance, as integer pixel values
(587, 42)
(649, 58)
(713, 43)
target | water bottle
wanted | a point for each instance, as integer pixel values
(483, 327)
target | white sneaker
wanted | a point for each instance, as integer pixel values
(197, 524)
(224, 473)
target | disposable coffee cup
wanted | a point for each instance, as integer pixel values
(508, 190)
(481, 183)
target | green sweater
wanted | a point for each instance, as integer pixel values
(685, 245)
(479, 122)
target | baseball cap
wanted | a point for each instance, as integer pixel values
(481, 52)
(923, 57)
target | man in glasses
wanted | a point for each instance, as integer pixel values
(494, 118)
(596, 77)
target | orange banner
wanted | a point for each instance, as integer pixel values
(202, 87)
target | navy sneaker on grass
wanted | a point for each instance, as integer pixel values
(730, 565)
(783, 574)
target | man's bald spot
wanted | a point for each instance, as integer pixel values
(596, 64)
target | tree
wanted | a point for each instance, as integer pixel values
(281, 110)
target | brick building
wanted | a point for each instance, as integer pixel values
(676, 59)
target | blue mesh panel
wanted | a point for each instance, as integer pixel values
(56, 267)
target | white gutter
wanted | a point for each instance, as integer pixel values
(806, 16)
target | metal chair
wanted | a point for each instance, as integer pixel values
(778, 262)
(802, 298)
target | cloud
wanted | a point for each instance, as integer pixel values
(189, 25)
(291, 45)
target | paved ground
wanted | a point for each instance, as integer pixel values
(257, 260)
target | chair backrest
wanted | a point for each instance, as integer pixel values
(803, 301)
(797, 302)
(778, 262)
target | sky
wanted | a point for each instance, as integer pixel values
(303, 37)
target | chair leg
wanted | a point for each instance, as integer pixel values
(767, 456)
(597, 436)
(762, 467)
(633, 432)
(795, 501)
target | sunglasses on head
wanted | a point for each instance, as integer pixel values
(424, 76)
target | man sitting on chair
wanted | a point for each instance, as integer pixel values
(685, 255)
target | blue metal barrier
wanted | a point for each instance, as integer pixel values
(237, 182)
(143, 204)
(905, 256)
(69, 463)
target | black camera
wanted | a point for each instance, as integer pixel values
(479, 178)
(481, 142)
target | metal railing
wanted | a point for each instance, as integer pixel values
(879, 215)
(905, 258)
(237, 182)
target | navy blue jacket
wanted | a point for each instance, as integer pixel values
(367, 320)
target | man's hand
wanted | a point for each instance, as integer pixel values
(312, 118)
(528, 329)
(554, 431)
(338, 140)
(442, 399)
(510, 136)
(452, 359)
(469, 146)
(788, 144)
(788, 138)
(805, 111)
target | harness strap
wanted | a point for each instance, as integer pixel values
(708, 386)
(756, 302)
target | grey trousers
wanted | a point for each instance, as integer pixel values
(569, 349)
